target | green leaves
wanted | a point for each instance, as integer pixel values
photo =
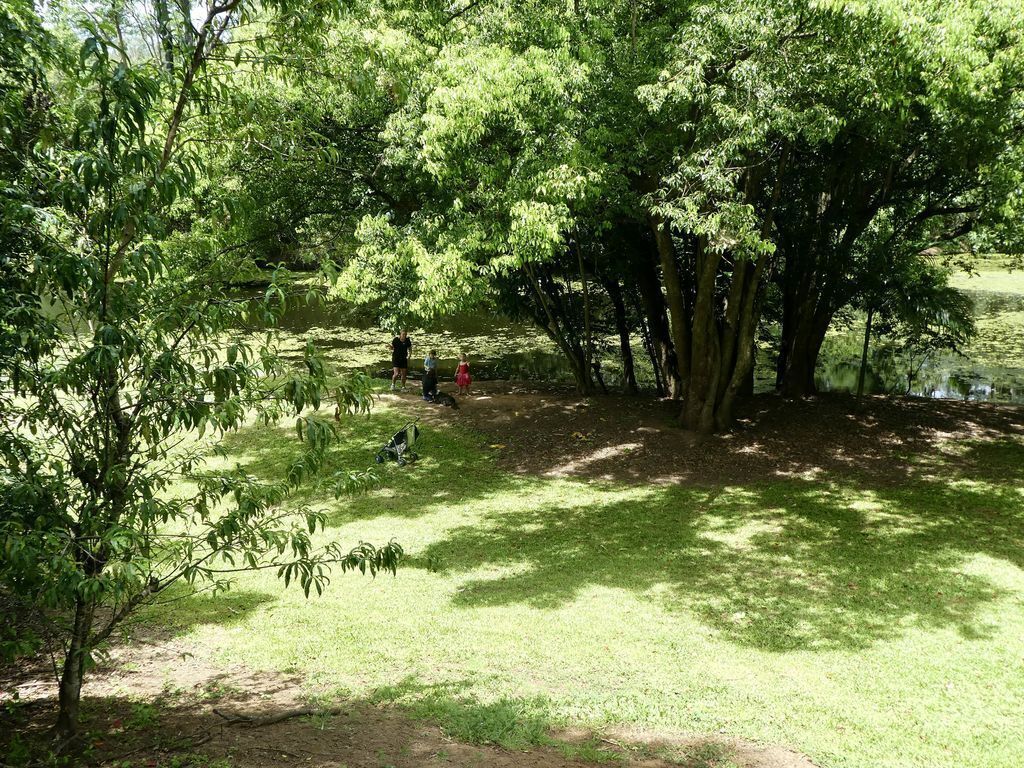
(130, 349)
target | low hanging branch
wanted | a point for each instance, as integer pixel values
(250, 721)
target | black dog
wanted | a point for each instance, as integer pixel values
(443, 398)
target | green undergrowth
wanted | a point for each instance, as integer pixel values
(855, 621)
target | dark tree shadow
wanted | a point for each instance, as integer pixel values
(411, 725)
(839, 560)
(792, 565)
(180, 609)
(638, 441)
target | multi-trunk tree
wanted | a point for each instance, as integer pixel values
(923, 152)
(688, 155)
(657, 170)
(772, 142)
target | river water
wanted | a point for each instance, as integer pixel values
(990, 368)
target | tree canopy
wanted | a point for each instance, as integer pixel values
(689, 163)
(124, 356)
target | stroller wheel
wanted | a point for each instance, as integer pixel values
(380, 459)
(401, 462)
(412, 456)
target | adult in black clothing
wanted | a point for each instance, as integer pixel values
(401, 347)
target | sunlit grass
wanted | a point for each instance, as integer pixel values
(861, 624)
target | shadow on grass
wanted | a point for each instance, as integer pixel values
(390, 727)
(783, 566)
(790, 564)
(638, 441)
(180, 610)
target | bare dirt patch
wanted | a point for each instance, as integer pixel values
(555, 432)
(152, 704)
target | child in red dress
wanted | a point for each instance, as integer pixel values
(462, 377)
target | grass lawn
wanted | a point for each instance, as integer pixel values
(859, 623)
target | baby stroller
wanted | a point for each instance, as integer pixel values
(400, 447)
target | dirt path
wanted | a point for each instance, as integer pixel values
(888, 440)
(154, 704)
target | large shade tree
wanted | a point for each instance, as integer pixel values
(664, 171)
(924, 149)
(691, 153)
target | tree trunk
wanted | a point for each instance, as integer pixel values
(588, 347)
(674, 293)
(864, 354)
(747, 387)
(573, 352)
(737, 370)
(743, 273)
(659, 384)
(801, 360)
(73, 672)
(622, 324)
(800, 299)
(803, 340)
(723, 344)
(657, 324)
(809, 306)
(706, 362)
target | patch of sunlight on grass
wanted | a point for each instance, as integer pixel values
(1001, 571)
(967, 484)
(858, 623)
(868, 503)
(742, 536)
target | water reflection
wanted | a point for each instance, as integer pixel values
(990, 368)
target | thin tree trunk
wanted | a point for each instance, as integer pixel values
(70, 688)
(740, 362)
(732, 326)
(864, 355)
(622, 324)
(678, 316)
(588, 354)
(747, 387)
(657, 323)
(659, 384)
(584, 382)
